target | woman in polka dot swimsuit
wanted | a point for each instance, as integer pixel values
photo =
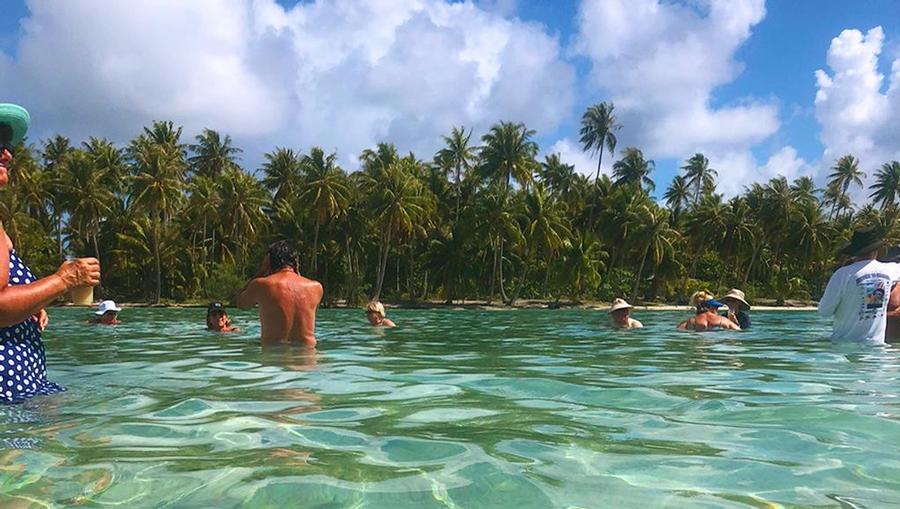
(22, 297)
(23, 374)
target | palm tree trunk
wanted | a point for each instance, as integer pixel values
(637, 280)
(520, 284)
(756, 249)
(590, 223)
(157, 264)
(59, 237)
(490, 297)
(315, 267)
(458, 193)
(502, 289)
(382, 265)
(547, 277)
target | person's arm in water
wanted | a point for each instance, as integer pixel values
(831, 298)
(20, 302)
(725, 323)
(636, 324)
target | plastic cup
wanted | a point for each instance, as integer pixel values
(82, 295)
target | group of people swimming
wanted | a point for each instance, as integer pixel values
(288, 291)
(863, 296)
(706, 313)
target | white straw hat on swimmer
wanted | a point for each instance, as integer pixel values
(619, 304)
(105, 307)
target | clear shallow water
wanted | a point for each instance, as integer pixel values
(527, 408)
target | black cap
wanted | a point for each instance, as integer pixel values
(214, 307)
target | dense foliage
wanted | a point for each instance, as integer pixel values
(483, 219)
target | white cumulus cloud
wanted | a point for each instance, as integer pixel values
(660, 63)
(858, 114)
(343, 74)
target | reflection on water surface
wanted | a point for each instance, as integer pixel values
(527, 408)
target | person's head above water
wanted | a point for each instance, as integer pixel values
(14, 122)
(703, 302)
(107, 313)
(282, 255)
(375, 312)
(376, 315)
(620, 311)
(217, 317)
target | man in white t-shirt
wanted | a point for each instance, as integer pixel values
(857, 294)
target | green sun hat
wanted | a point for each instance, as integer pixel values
(16, 120)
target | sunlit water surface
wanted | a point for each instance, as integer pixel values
(522, 409)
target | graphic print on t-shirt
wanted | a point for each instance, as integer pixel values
(875, 289)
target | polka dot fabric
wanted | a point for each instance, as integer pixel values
(22, 365)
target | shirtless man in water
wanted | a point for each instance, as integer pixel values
(287, 301)
(706, 317)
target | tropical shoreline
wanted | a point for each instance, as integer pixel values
(495, 306)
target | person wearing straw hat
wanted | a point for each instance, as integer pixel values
(737, 308)
(857, 295)
(23, 296)
(706, 315)
(107, 314)
(620, 315)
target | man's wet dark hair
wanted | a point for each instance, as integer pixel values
(284, 254)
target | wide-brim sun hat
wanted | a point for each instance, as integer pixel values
(737, 295)
(863, 241)
(17, 119)
(105, 307)
(619, 304)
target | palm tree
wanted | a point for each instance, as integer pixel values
(846, 173)
(90, 198)
(887, 185)
(508, 154)
(699, 175)
(325, 191)
(55, 153)
(158, 183)
(558, 176)
(654, 230)
(582, 263)
(398, 203)
(598, 131)
(241, 211)
(677, 196)
(545, 229)
(634, 169)
(459, 156)
(212, 154)
(282, 174)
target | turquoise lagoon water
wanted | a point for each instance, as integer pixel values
(520, 408)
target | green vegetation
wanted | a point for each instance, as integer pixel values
(483, 219)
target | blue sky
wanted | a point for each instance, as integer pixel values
(764, 75)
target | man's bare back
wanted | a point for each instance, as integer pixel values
(707, 321)
(287, 305)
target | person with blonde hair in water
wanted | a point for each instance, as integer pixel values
(620, 315)
(705, 315)
(376, 315)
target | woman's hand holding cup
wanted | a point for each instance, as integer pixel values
(80, 272)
